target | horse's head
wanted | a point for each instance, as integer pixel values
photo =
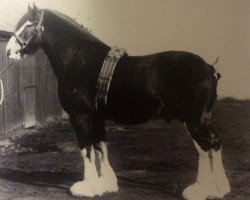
(28, 34)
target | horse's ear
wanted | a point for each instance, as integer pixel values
(32, 8)
(29, 8)
(35, 8)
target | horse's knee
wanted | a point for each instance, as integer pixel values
(205, 135)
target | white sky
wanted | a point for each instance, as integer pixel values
(208, 28)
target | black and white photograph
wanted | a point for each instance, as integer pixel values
(124, 99)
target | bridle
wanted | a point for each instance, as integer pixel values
(24, 43)
(39, 29)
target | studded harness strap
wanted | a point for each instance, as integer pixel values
(105, 76)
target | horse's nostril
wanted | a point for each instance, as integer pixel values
(8, 52)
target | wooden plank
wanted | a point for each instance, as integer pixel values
(48, 102)
(6, 104)
(40, 87)
(15, 114)
(29, 93)
(1, 77)
(10, 114)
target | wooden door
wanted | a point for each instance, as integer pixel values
(29, 91)
(11, 109)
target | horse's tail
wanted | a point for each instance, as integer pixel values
(2, 93)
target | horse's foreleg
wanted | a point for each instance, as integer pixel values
(211, 181)
(92, 184)
(107, 176)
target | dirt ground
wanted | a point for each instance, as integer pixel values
(153, 161)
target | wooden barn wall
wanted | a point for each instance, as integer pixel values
(48, 106)
(30, 89)
(10, 111)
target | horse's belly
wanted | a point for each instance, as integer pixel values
(133, 108)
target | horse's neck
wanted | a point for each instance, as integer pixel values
(62, 50)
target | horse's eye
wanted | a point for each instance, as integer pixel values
(29, 25)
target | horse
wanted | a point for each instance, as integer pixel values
(172, 85)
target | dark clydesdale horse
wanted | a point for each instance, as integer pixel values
(174, 85)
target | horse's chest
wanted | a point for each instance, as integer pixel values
(74, 99)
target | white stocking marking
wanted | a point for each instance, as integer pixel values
(107, 173)
(92, 184)
(211, 180)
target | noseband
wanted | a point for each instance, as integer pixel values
(39, 29)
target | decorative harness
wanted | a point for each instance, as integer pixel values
(106, 75)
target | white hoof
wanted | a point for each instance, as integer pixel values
(81, 189)
(91, 176)
(224, 189)
(112, 187)
(108, 177)
(211, 181)
(110, 183)
(201, 192)
(194, 192)
(97, 186)
(111, 180)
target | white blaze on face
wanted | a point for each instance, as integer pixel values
(13, 47)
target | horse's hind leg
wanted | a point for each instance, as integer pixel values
(211, 181)
(92, 184)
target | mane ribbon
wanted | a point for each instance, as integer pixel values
(106, 74)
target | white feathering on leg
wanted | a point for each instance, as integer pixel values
(82, 188)
(91, 174)
(108, 176)
(92, 185)
(219, 173)
(211, 180)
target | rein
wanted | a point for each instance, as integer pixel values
(1, 82)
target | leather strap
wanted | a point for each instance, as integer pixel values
(105, 76)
